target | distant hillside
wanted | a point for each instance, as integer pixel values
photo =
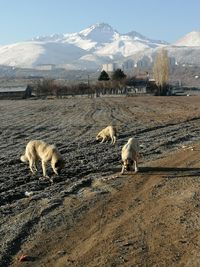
(96, 45)
(190, 39)
(89, 48)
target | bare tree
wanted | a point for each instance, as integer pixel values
(161, 71)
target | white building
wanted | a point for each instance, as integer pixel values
(110, 67)
(46, 67)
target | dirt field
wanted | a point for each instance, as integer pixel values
(92, 215)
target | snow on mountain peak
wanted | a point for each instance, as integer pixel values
(99, 32)
(93, 46)
(139, 37)
(136, 35)
(190, 39)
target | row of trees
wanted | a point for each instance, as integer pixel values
(49, 87)
(105, 85)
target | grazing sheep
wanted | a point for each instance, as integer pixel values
(130, 154)
(107, 133)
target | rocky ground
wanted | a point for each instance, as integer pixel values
(92, 215)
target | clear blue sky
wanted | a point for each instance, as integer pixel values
(169, 20)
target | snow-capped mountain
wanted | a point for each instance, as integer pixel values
(190, 39)
(99, 33)
(30, 54)
(90, 48)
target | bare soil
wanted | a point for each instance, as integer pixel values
(92, 215)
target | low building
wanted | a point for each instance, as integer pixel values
(15, 92)
(110, 67)
(45, 67)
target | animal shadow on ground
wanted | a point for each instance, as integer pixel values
(171, 172)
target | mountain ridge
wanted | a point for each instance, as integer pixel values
(90, 48)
